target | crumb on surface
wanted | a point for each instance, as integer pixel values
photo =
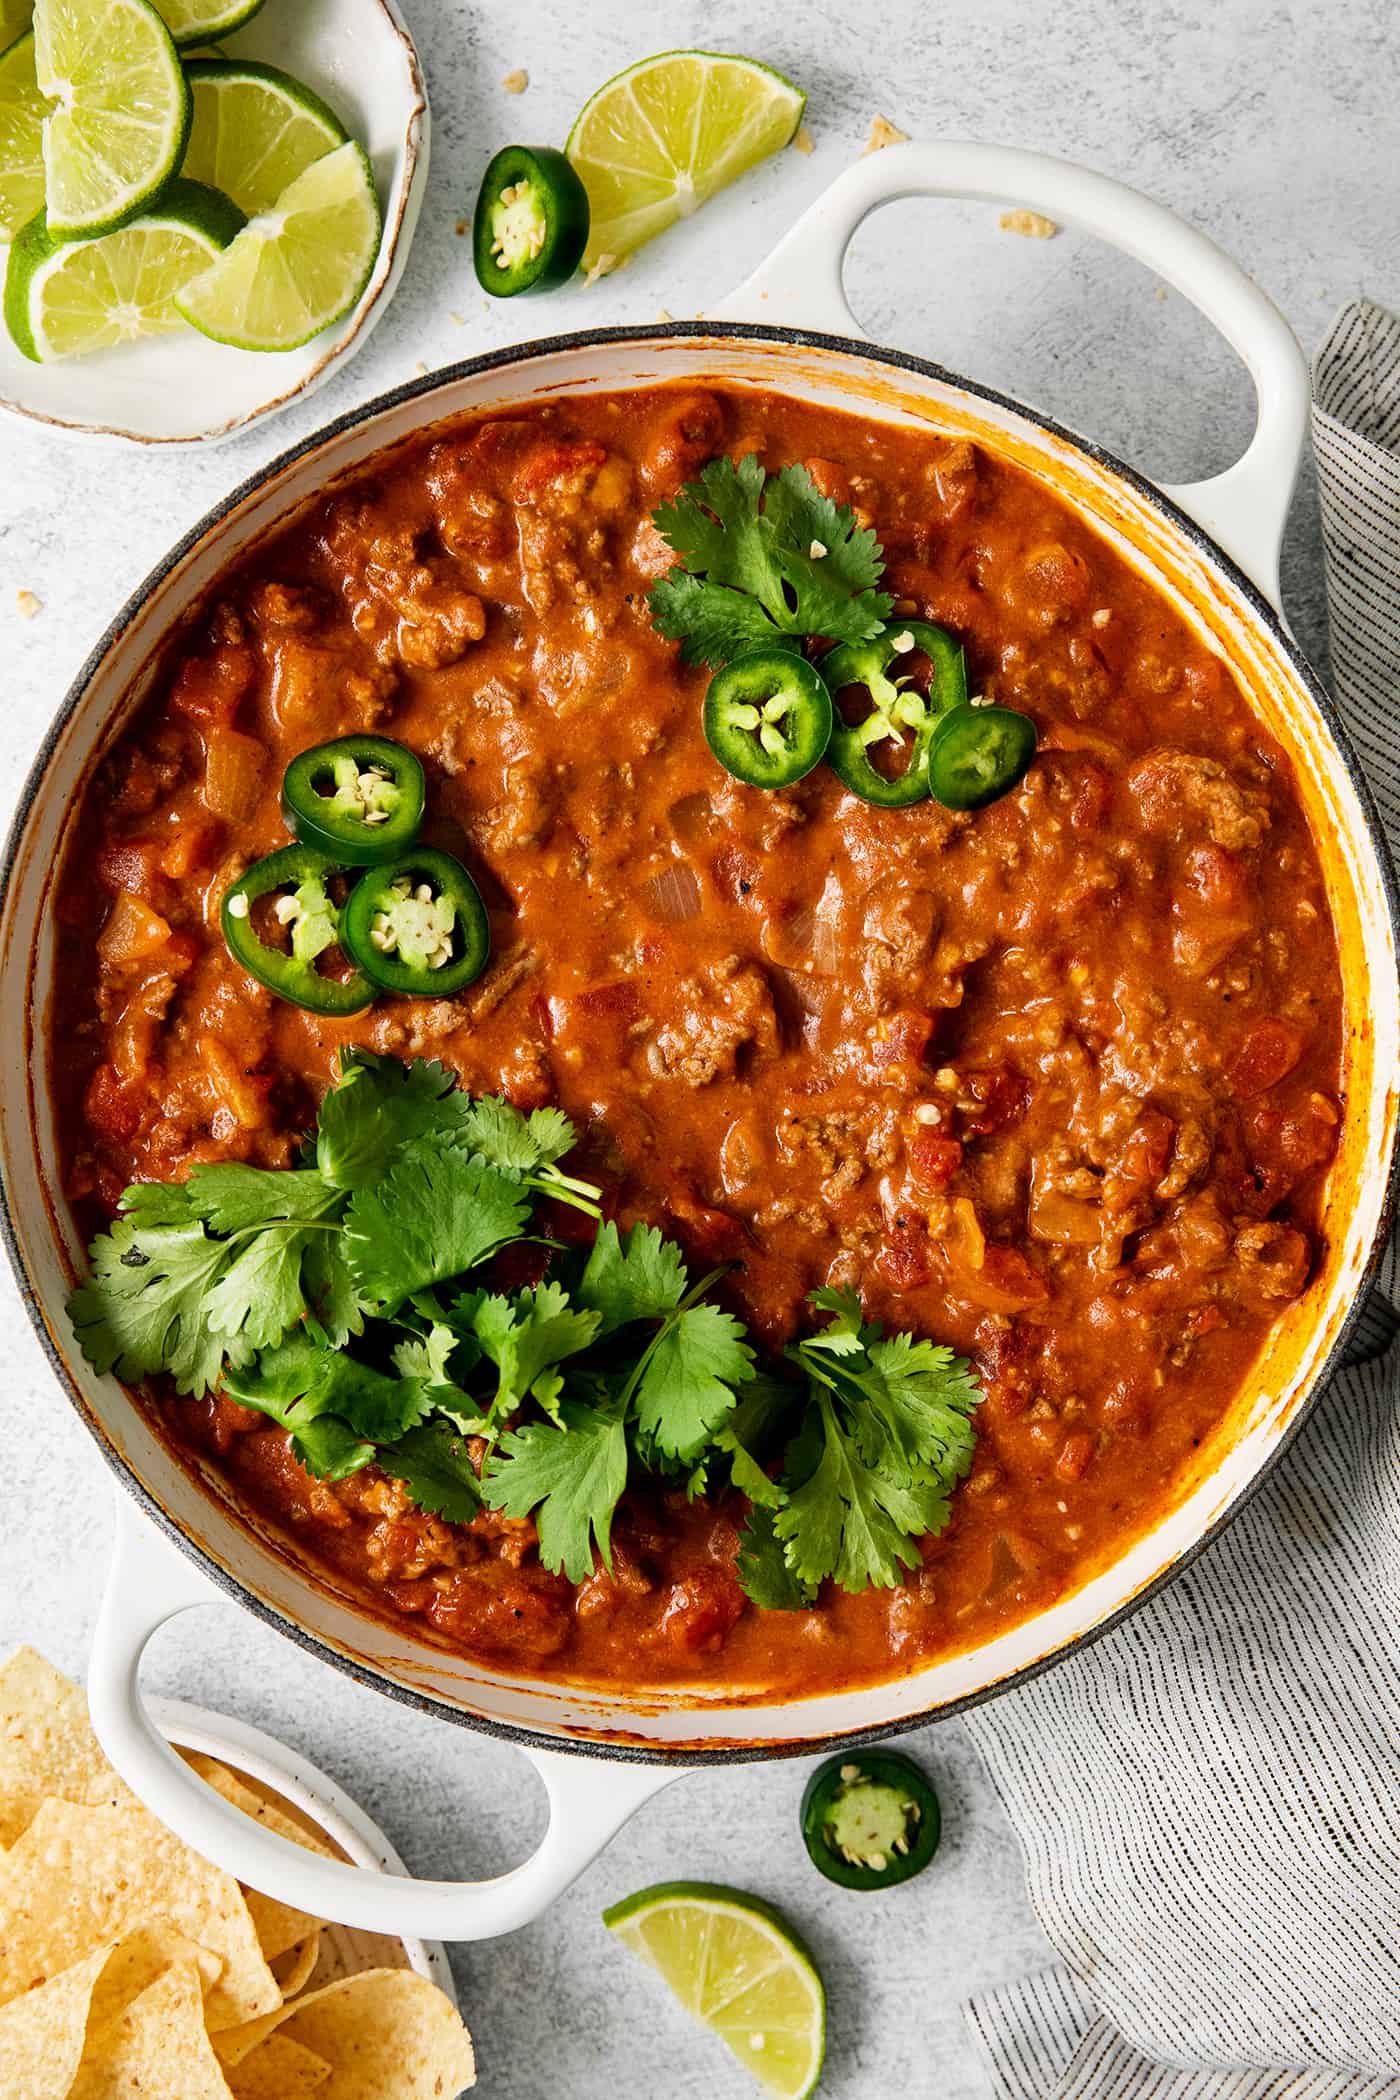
(663, 313)
(455, 318)
(803, 140)
(1161, 292)
(1033, 224)
(27, 605)
(421, 369)
(462, 226)
(516, 82)
(883, 133)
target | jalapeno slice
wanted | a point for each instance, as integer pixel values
(418, 925)
(870, 1820)
(531, 223)
(900, 714)
(768, 717)
(306, 914)
(359, 799)
(978, 754)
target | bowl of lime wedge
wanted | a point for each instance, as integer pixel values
(205, 205)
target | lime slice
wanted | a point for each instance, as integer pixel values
(740, 1969)
(21, 138)
(255, 129)
(297, 268)
(15, 15)
(659, 139)
(66, 297)
(195, 21)
(123, 112)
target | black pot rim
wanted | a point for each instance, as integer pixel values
(423, 389)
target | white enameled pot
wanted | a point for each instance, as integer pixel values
(1212, 548)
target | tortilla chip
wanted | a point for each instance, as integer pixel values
(279, 2070)
(44, 2033)
(155, 2048)
(252, 1804)
(134, 1963)
(80, 1878)
(278, 1926)
(47, 1746)
(295, 1969)
(385, 2032)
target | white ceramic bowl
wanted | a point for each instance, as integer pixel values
(182, 389)
(1212, 549)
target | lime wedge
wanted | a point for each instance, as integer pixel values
(255, 129)
(123, 114)
(659, 139)
(21, 138)
(195, 21)
(297, 268)
(66, 297)
(740, 1969)
(15, 15)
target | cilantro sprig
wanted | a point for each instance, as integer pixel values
(768, 559)
(353, 1302)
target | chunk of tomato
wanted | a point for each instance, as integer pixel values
(1268, 1054)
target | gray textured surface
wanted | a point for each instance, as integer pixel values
(1273, 126)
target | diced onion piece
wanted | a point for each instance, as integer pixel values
(233, 770)
(247, 1104)
(998, 1278)
(1063, 1220)
(674, 894)
(133, 932)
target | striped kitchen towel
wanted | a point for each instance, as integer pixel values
(1209, 1797)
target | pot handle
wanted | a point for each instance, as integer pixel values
(590, 1798)
(1243, 509)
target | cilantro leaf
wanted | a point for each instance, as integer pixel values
(233, 1198)
(525, 1337)
(259, 1296)
(527, 1147)
(746, 1474)
(513, 1141)
(325, 1445)
(438, 1212)
(376, 1108)
(332, 1301)
(427, 1356)
(848, 1521)
(877, 1457)
(571, 1474)
(847, 1330)
(143, 1309)
(687, 1381)
(433, 1463)
(762, 1569)
(640, 1281)
(329, 1382)
(713, 625)
(762, 1407)
(751, 575)
(157, 1203)
(279, 1383)
(259, 1293)
(919, 1400)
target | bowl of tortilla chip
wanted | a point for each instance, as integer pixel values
(129, 1964)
